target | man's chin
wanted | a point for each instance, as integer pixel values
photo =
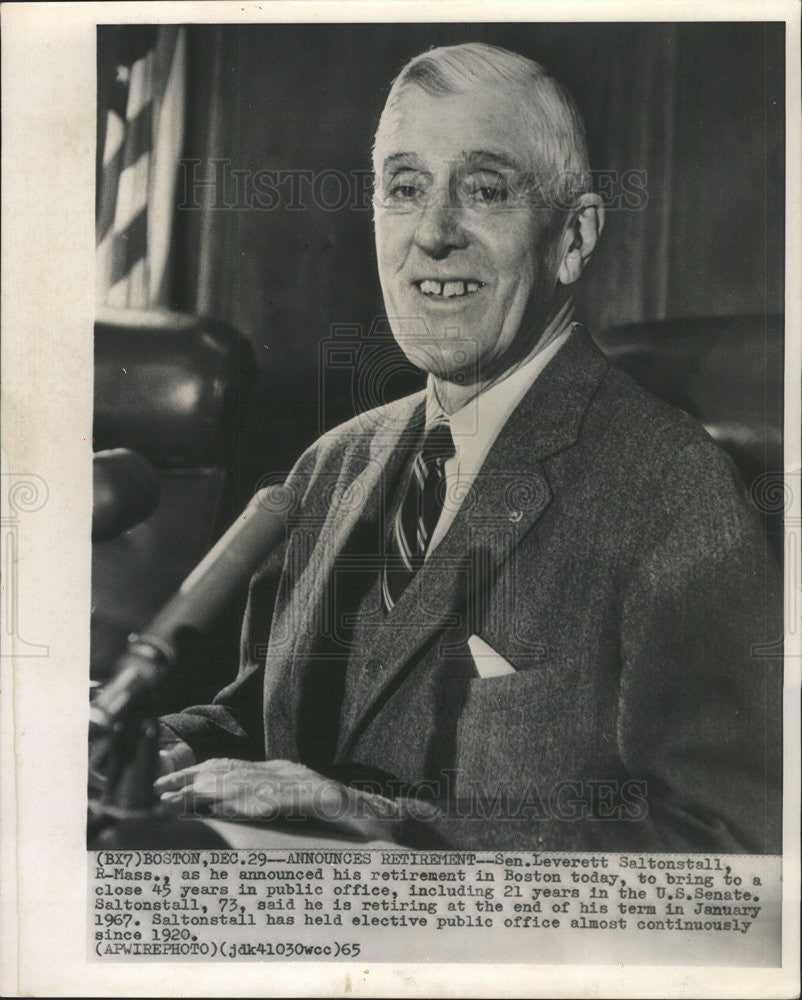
(443, 369)
(451, 360)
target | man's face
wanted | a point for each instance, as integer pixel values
(467, 260)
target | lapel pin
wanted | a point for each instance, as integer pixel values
(515, 516)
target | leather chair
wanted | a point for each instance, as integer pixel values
(173, 389)
(728, 373)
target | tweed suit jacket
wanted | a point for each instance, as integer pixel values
(607, 551)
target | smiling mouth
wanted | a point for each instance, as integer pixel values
(453, 289)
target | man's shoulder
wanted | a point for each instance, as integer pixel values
(616, 415)
(636, 429)
(642, 413)
(359, 434)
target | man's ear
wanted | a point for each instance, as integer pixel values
(581, 235)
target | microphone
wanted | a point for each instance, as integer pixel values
(227, 566)
(125, 491)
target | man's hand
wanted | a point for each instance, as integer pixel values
(275, 789)
(174, 757)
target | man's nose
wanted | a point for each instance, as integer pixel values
(440, 228)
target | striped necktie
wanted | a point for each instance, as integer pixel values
(418, 514)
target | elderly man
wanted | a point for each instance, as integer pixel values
(518, 609)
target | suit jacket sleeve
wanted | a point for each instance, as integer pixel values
(700, 697)
(233, 726)
(700, 692)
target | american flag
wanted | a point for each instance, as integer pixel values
(142, 94)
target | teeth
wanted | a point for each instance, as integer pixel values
(448, 289)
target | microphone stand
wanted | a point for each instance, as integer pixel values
(124, 735)
(124, 741)
(123, 725)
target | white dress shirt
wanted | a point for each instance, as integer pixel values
(476, 425)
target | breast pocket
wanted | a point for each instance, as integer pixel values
(513, 691)
(513, 729)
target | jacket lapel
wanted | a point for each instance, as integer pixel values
(508, 497)
(348, 489)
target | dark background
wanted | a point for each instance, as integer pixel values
(698, 107)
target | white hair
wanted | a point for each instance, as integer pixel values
(550, 120)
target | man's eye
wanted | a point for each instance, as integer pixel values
(484, 190)
(404, 192)
(406, 187)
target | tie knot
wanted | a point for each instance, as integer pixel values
(438, 444)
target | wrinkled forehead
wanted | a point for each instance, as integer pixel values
(449, 128)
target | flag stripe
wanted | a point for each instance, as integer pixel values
(140, 89)
(128, 247)
(137, 141)
(118, 95)
(116, 194)
(138, 135)
(167, 148)
(132, 193)
(145, 110)
(108, 195)
(129, 293)
(115, 135)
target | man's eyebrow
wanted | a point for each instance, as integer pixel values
(394, 158)
(471, 158)
(491, 157)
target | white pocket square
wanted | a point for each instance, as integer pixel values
(487, 661)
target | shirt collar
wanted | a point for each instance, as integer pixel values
(476, 424)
